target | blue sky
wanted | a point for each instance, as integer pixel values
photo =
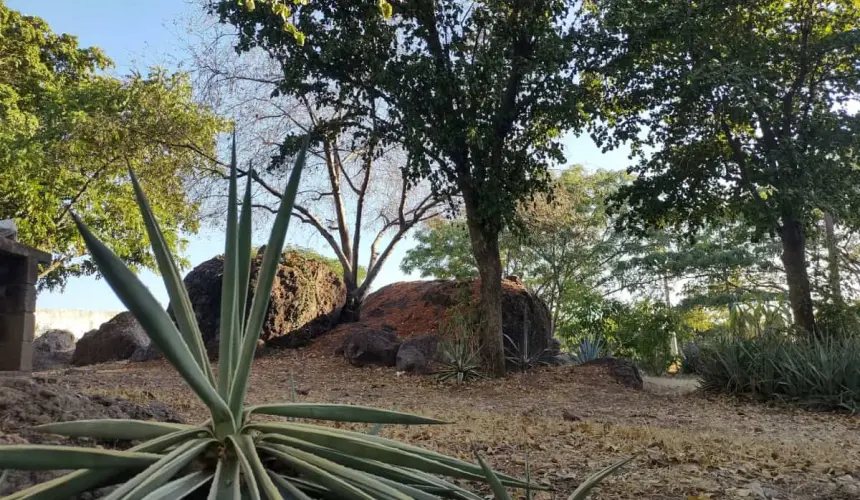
(138, 34)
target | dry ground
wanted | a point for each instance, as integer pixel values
(566, 422)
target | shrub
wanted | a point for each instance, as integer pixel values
(590, 348)
(820, 373)
(692, 357)
(460, 361)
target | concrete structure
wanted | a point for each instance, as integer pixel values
(77, 321)
(19, 270)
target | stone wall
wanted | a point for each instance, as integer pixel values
(77, 321)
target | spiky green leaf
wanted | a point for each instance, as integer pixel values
(341, 413)
(582, 491)
(176, 291)
(157, 324)
(129, 430)
(181, 488)
(46, 457)
(265, 278)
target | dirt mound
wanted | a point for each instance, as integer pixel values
(114, 340)
(412, 308)
(623, 370)
(26, 402)
(306, 298)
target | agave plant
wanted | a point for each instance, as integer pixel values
(590, 348)
(459, 360)
(233, 455)
(524, 358)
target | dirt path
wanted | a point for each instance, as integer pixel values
(566, 422)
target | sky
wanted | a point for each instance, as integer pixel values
(138, 34)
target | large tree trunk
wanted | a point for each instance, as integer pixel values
(794, 260)
(485, 246)
(833, 278)
(351, 312)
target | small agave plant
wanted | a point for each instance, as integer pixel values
(233, 455)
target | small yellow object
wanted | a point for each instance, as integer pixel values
(674, 368)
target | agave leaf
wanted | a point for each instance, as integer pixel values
(581, 492)
(157, 324)
(180, 488)
(129, 430)
(226, 483)
(74, 483)
(285, 485)
(341, 413)
(263, 479)
(326, 479)
(358, 479)
(45, 457)
(383, 470)
(313, 489)
(244, 257)
(361, 444)
(499, 491)
(159, 473)
(229, 336)
(364, 448)
(247, 470)
(409, 490)
(265, 278)
(185, 317)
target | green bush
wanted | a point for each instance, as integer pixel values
(820, 373)
(644, 333)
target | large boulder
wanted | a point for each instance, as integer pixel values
(363, 347)
(413, 308)
(53, 349)
(417, 354)
(306, 299)
(115, 340)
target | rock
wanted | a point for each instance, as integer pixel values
(55, 341)
(416, 354)
(569, 416)
(413, 308)
(53, 349)
(145, 353)
(623, 370)
(364, 347)
(115, 340)
(26, 402)
(305, 301)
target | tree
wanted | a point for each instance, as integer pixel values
(737, 111)
(477, 94)
(565, 250)
(68, 137)
(353, 192)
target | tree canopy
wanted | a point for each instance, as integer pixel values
(68, 135)
(737, 110)
(478, 95)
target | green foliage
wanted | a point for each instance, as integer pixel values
(692, 357)
(460, 361)
(590, 349)
(442, 250)
(69, 133)
(735, 111)
(330, 262)
(521, 357)
(821, 372)
(274, 458)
